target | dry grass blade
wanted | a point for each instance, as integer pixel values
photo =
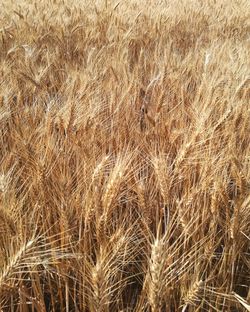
(242, 301)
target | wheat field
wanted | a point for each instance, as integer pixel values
(124, 156)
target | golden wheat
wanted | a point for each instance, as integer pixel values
(124, 155)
